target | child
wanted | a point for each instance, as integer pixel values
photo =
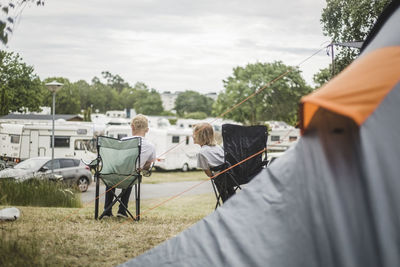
(211, 155)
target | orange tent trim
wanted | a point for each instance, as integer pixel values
(359, 89)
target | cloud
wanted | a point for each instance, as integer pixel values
(169, 45)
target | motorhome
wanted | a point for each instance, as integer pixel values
(279, 140)
(22, 141)
(175, 148)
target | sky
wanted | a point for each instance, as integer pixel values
(170, 45)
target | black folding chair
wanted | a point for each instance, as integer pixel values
(117, 165)
(240, 142)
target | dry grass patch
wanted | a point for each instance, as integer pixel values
(71, 237)
(169, 177)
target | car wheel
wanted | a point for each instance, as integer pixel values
(185, 167)
(83, 184)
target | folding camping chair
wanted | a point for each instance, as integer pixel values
(117, 165)
(240, 142)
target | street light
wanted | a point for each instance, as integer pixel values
(53, 87)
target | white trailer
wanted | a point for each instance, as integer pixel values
(279, 140)
(174, 147)
(22, 141)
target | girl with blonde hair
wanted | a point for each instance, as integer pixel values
(210, 156)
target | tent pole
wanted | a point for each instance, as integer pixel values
(333, 61)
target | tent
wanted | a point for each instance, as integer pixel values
(331, 200)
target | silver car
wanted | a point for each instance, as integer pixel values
(73, 171)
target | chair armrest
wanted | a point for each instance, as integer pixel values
(91, 164)
(221, 167)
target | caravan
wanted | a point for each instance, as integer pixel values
(22, 141)
(281, 136)
(174, 147)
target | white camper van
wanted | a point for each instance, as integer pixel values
(279, 140)
(174, 147)
(22, 141)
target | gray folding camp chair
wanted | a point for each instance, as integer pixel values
(117, 165)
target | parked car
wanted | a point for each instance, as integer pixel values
(73, 171)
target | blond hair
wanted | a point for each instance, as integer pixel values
(140, 122)
(205, 134)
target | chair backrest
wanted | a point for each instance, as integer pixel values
(119, 160)
(240, 142)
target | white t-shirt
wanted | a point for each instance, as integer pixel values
(210, 156)
(147, 151)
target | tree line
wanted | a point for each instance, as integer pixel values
(21, 90)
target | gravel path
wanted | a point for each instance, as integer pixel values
(156, 190)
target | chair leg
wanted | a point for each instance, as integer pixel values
(217, 196)
(117, 199)
(96, 205)
(137, 201)
(109, 207)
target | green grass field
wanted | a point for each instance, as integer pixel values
(71, 237)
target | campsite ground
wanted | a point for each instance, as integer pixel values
(71, 237)
(163, 184)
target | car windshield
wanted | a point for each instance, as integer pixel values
(31, 164)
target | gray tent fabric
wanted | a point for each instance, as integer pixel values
(331, 200)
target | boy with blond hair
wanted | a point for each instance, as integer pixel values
(140, 127)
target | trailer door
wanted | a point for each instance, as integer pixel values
(34, 144)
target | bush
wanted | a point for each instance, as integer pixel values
(172, 121)
(41, 193)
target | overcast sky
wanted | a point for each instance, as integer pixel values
(170, 45)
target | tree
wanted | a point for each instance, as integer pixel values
(147, 101)
(67, 98)
(191, 101)
(279, 101)
(84, 89)
(321, 77)
(20, 88)
(10, 12)
(196, 115)
(346, 21)
(103, 97)
(114, 81)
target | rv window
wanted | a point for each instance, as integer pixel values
(175, 139)
(275, 138)
(67, 163)
(81, 131)
(60, 141)
(91, 145)
(80, 144)
(14, 139)
(120, 136)
(292, 138)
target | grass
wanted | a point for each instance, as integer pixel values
(36, 192)
(71, 237)
(169, 177)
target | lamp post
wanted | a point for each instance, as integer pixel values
(53, 87)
